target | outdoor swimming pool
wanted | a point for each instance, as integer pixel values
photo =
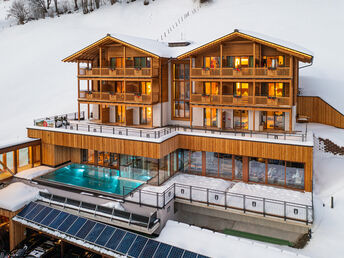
(97, 178)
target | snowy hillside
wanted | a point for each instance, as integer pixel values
(35, 83)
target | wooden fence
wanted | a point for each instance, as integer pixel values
(319, 111)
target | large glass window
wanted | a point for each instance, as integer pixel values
(9, 160)
(145, 115)
(295, 175)
(211, 62)
(181, 91)
(24, 158)
(225, 165)
(276, 172)
(212, 163)
(240, 119)
(272, 120)
(211, 88)
(120, 114)
(146, 88)
(238, 167)
(142, 62)
(210, 117)
(116, 62)
(241, 89)
(257, 168)
(238, 61)
(193, 161)
(273, 62)
(119, 87)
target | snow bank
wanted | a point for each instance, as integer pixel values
(114, 205)
(33, 172)
(17, 195)
(217, 245)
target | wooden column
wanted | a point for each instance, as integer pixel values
(100, 61)
(16, 232)
(78, 88)
(78, 67)
(221, 59)
(191, 115)
(254, 92)
(204, 163)
(124, 58)
(78, 111)
(32, 156)
(291, 84)
(88, 111)
(15, 161)
(221, 118)
(245, 172)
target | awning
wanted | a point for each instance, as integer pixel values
(95, 235)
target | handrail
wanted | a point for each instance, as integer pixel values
(227, 200)
(70, 122)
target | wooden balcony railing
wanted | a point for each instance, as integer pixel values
(241, 72)
(239, 100)
(119, 72)
(120, 97)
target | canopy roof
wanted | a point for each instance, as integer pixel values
(158, 49)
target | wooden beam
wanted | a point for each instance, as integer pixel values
(15, 161)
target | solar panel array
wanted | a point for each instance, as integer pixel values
(99, 234)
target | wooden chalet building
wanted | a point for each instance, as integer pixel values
(224, 108)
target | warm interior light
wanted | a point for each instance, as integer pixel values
(244, 61)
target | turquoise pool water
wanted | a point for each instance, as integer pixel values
(92, 177)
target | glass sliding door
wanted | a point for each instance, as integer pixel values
(257, 169)
(226, 165)
(145, 115)
(210, 117)
(212, 164)
(240, 119)
(276, 172)
(238, 168)
(295, 175)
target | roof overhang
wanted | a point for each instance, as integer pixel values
(87, 53)
(304, 57)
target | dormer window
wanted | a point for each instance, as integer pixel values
(272, 62)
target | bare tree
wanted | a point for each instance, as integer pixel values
(84, 4)
(97, 3)
(76, 5)
(37, 8)
(48, 4)
(19, 11)
(56, 8)
(113, 2)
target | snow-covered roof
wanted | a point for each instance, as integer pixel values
(161, 49)
(16, 142)
(17, 195)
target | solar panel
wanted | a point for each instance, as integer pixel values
(126, 242)
(105, 236)
(67, 223)
(94, 234)
(188, 254)
(102, 235)
(34, 212)
(42, 214)
(115, 239)
(27, 209)
(51, 216)
(150, 248)
(86, 228)
(58, 221)
(137, 246)
(76, 226)
(176, 252)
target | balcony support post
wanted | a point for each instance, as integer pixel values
(191, 115)
(254, 92)
(88, 111)
(79, 111)
(124, 58)
(221, 59)
(100, 61)
(78, 88)
(292, 81)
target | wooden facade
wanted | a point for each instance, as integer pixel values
(319, 111)
(68, 145)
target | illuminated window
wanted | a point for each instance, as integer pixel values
(142, 62)
(146, 88)
(276, 89)
(273, 61)
(119, 87)
(241, 89)
(237, 61)
(116, 62)
(272, 120)
(145, 115)
(120, 114)
(210, 117)
(211, 62)
(211, 88)
(240, 119)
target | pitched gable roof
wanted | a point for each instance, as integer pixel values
(158, 49)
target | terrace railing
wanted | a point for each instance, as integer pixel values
(70, 122)
(226, 200)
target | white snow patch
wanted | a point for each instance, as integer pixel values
(217, 245)
(114, 205)
(17, 195)
(34, 172)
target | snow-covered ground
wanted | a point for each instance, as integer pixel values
(218, 245)
(36, 83)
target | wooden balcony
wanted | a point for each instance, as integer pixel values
(259, 72)
(119, 72)
(120, 97)
(242, 100)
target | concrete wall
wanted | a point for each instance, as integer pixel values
(257, 122)
(286, 121)
(95, 111)
(293, 117)
(157, 122)
(112, 114)
(250, 120)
